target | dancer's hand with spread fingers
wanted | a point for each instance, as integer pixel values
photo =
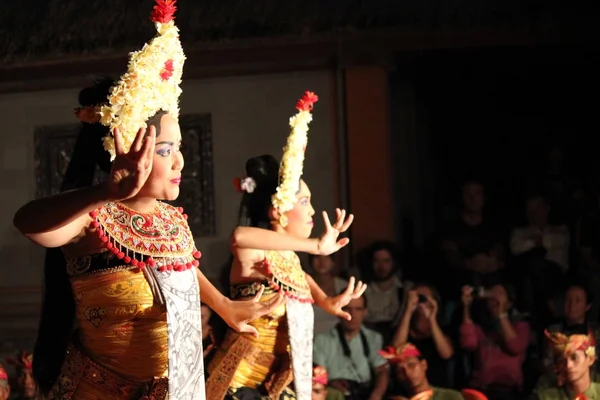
(328, 242)
(131, 169)
(334, 305)
(241, 312)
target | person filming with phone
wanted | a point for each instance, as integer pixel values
(420, 325)
(498, 338)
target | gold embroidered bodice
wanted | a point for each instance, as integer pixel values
(120, 325)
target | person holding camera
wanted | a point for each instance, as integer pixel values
(498, 339)
(420, 326)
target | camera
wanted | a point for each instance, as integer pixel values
(422, 298)
(480, 292)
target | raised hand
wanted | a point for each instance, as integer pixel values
(334, 305)
(328, 242)
(243, 311)
(130, 170)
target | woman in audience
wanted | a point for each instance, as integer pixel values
(499, 340)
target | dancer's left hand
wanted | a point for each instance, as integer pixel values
(239, 313)
(334, 305)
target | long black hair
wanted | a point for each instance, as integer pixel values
(58, 307)
(255, 206)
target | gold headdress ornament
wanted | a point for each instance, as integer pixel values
(151, 83)
(292, 162)
(565, 345)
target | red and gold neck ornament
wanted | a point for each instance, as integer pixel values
(161, 239)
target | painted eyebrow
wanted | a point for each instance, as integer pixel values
(164, 142)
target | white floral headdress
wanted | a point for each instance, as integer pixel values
(292, 162)
(151, 83)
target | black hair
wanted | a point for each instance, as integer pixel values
(58, 307)
(255, 206)
(581, 283)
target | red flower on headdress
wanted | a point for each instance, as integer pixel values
(320, 375)
(3, 374)
(581, 397)
(167, 70)
(163, 11)
(307, 101)
(23, 360)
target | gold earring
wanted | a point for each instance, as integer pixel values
(283, 221)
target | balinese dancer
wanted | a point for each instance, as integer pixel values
(276, 219)
(120, 263)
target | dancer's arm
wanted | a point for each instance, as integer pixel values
(251, 238)
(55, 220)
(236, 314)
(245, 237)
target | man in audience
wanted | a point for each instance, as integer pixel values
(409, 369)
(349, 353)
(577, 302)
(574, 356)
(386, 290)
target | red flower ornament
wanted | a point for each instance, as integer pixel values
(163, 11)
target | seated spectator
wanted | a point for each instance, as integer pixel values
(574, 357)
(26, 387)
(323, 272)
(420, 326)
(541, 254)
(349, 354)
(552, 240)
(577, 302)
(471, 230)
(499, 340)
(4, 386)
(409, 369)
(386, 291)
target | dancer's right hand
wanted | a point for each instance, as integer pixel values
(130, 170)
(328, 243)
(243, 311)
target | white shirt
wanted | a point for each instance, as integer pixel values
(555, 240)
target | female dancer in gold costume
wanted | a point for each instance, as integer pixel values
(130, 279)
(276, 219)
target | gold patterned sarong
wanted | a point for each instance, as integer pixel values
(265, 364)
(243, 361)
